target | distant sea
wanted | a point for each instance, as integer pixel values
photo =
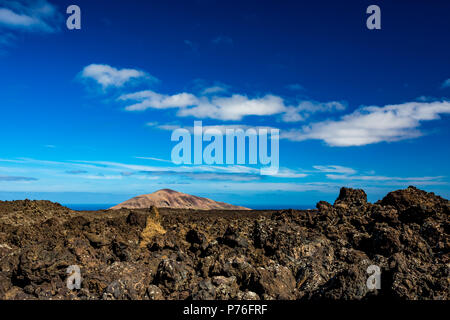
(281, 207)
(88, 207)
(94, 207)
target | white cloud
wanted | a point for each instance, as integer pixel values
(108, 76)
(372, 124)
(235, 107)
(366, 125)
(292, 115)
(150, 99)
(225, 107)
(33, 16)
(238, 106)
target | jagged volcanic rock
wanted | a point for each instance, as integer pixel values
(230, 254)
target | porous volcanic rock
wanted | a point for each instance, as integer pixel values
(230, 254)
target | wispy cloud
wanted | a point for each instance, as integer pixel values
(446, 84)
(204, 87)
(305, 108)
(426, 99)
(335, 169)
(222, 176)
(288, 173)
(346, 174)
(166, 126)
(193, 46)
(29, 16)
(103, 177)
(249, 174)
(76, 171)
(222, 40)
(109, 176)
(390, 180)
(295, 87)
(274, 187)
(26, 16)
(205, 172)
(7, 39)
(214, 90)
(154, 159)
(15, 178)
(372, 124)
(218, 127)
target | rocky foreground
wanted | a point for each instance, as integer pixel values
(188, 254)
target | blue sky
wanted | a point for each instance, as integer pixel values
(87, 114)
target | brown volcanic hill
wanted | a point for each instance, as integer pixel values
(166, 198)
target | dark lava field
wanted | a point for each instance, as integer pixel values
(196, 255)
